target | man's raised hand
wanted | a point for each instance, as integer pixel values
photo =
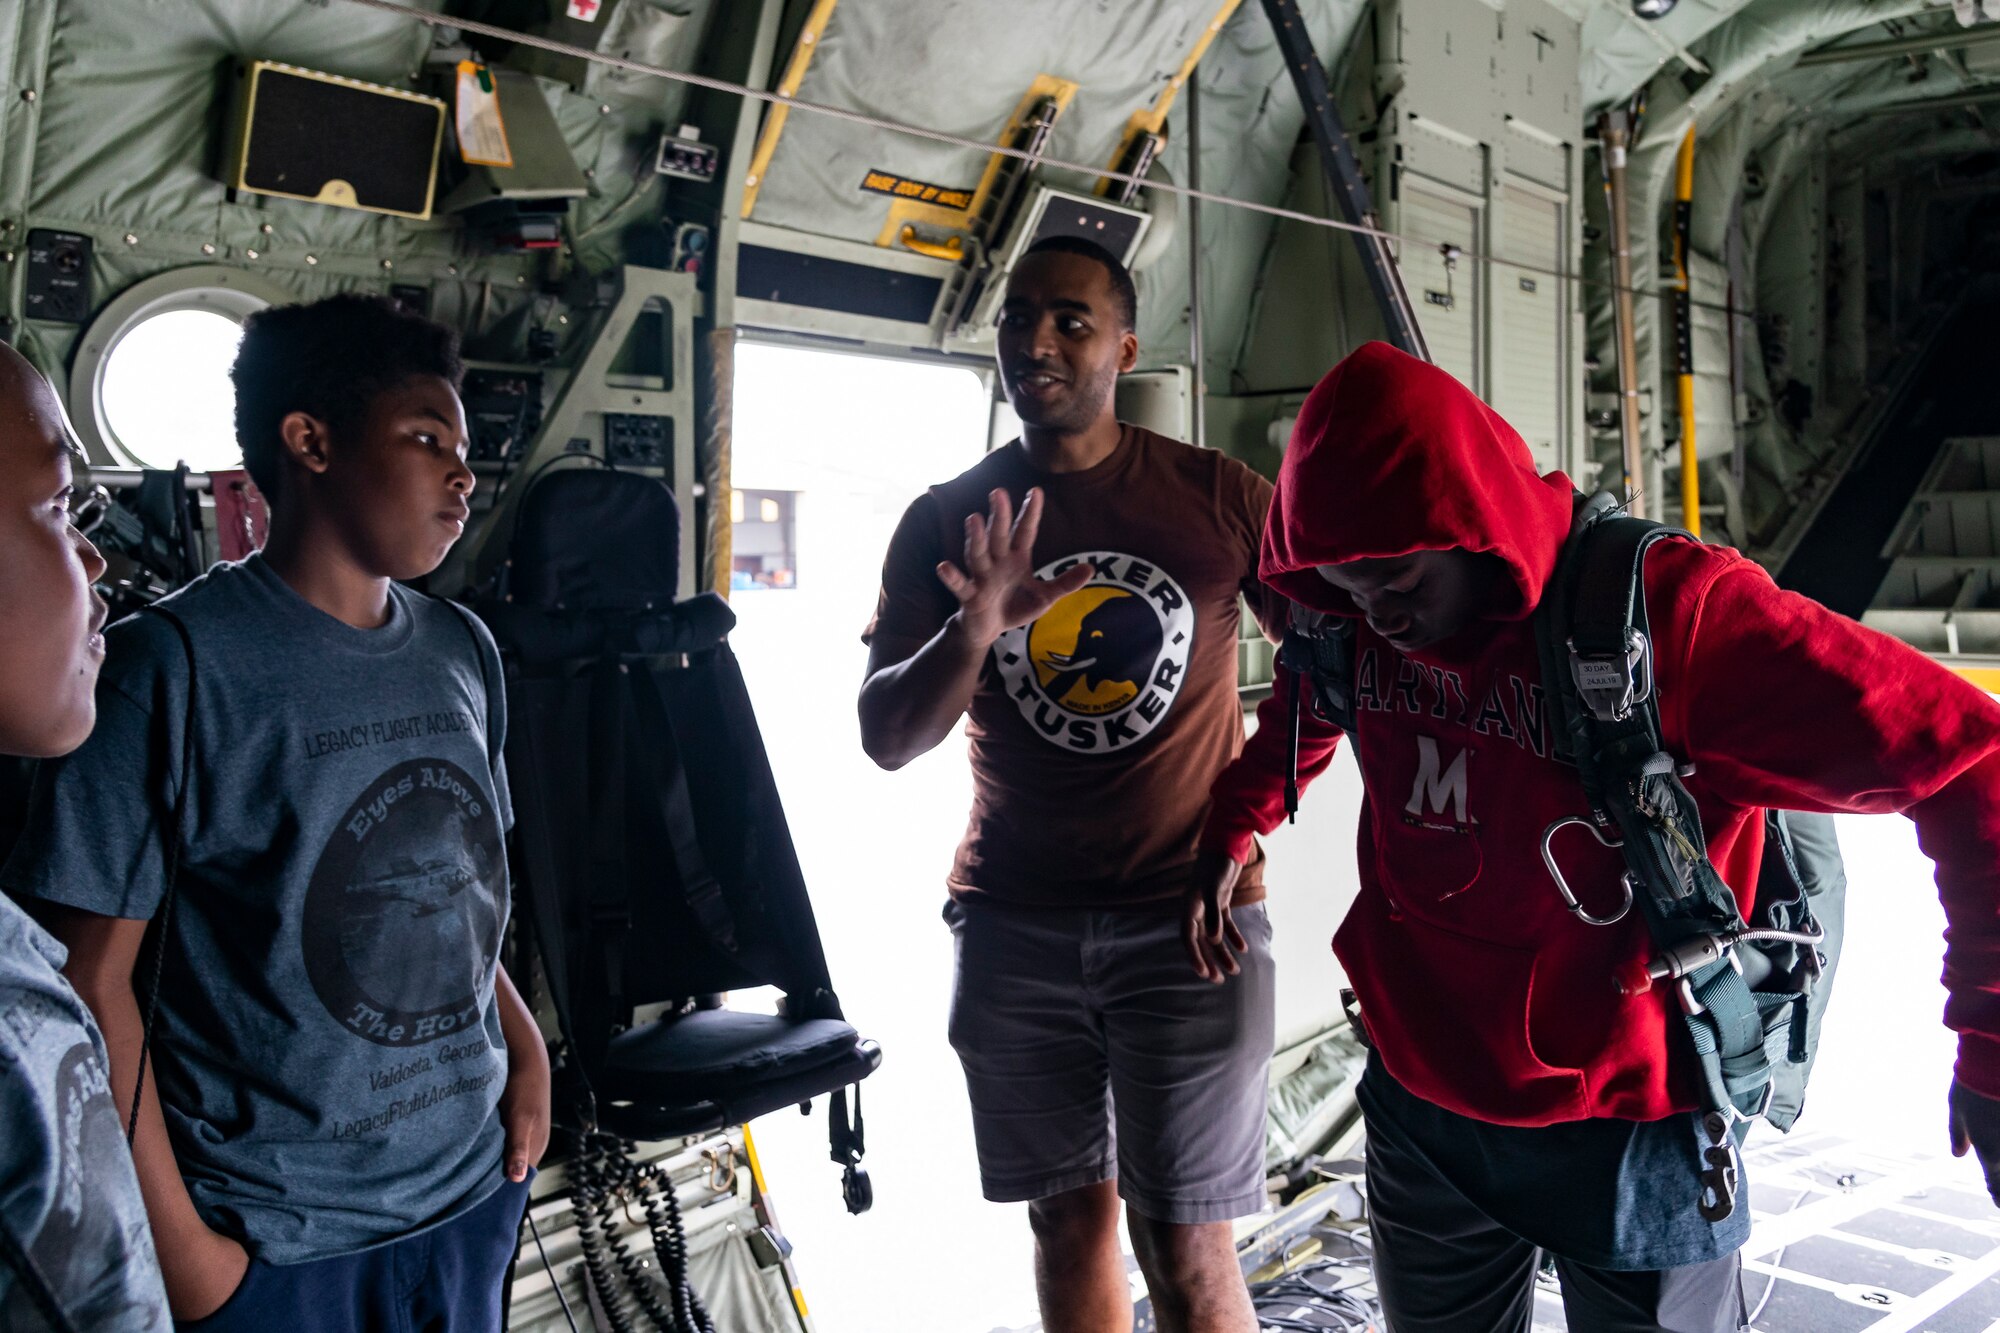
(996, 588)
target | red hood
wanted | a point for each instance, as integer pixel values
(1392, 455)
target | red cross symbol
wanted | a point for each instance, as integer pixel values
(584, 9)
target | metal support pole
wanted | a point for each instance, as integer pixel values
(1684, 335)
(1199, 390)
(1613, 137)
(1343, 173)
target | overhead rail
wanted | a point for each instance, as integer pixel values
(1912, 44)
(464, 25)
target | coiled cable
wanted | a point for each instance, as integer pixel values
(603, 1176)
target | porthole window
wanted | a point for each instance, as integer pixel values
(165, 394)
(150, 383)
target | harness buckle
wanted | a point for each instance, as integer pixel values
(1718, 1183)
(1612, 686)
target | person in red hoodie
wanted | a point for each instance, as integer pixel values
(1515, 1100)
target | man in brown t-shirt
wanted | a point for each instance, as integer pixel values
(1091, 644)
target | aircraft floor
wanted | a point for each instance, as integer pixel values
(1850, 1238)
(1846, 1238)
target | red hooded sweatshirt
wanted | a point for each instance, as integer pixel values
(1481, 992)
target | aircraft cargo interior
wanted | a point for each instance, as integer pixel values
(999, 666)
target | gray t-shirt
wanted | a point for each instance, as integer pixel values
(328, 1050)
(68, 1198)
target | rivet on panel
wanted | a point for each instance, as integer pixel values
(27, 94)
(250, 254)
(207, 248)
(388, 263)
(266, 229)
(312, 260)
(130, 239)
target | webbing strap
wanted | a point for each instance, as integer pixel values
(1596, 627)
(665, 772)
(531, 831)
(606, 893)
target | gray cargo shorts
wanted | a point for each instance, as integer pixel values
(1092, 1051)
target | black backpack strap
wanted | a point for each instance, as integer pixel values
(1598, 666)
(544, 893)
(1318, 653)
(663, 768)
(175, 849)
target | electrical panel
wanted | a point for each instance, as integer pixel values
(635, 440)
(690, 247)
(686, 156)
(58, 278)
(503, 409)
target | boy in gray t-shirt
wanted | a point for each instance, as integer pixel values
(74, 1252)
(346, 1095)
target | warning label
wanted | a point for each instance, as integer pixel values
(888, 182)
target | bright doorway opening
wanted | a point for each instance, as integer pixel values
(829, 450)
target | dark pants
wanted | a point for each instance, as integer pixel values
(449, 1279)
(1443, 1266)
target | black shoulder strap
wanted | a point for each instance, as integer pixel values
(664, 770)
(176, 840)
(467, 619)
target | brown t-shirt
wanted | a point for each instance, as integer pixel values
(1096, 731)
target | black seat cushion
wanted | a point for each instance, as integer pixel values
(717, 1054)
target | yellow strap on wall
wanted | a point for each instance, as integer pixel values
(908, 212)
(1153, 120)
(1690, 453)
(774, 123)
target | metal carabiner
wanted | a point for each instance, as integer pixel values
(1562, 885)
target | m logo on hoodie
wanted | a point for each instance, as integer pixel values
(1101, 668)
(1440, 788)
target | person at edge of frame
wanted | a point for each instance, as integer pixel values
(75, 1253)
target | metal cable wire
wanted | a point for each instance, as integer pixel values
(960, 141)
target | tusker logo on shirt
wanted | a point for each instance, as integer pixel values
(402, 919)
(1102, 667)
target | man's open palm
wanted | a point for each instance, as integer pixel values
(996, 588)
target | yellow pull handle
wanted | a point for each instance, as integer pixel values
(953, 249)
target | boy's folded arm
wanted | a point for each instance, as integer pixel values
(201, 1267)
(1248, 797)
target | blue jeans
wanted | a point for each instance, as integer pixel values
(448, 1279)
